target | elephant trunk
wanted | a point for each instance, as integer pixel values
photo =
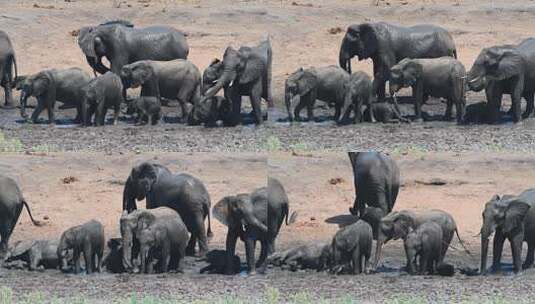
(476, 79)
(288, 99)
(226, 78)
(97, 65)
(378, 250)
(23, 102)
(250, 219)
(484, 251)
(348, 101)
(144, 253)
(344, 57)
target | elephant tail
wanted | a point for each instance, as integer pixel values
(209, 233)
(462, 243)
(36, 223)
(15, 67)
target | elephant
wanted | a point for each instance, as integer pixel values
(244, 72)
(376, 179)
(8, 65)
(163, 240)
(278, 210)
(304, 86)
(352, 245)
(11, 203)
(122, 43)
(66, 86)
(217, 260)
(398, 224)
(87, 238)
(438, 77)
(36, 253)
(383, 112)
(306, 256)
(512, 218)
(215, 109)
(183, 193)
(425, 243)
(387, 44)
(148, 108)
(176, 79)
(358, 93)
(476, 113)
(113, 259)
(505, 69)
(101, 93)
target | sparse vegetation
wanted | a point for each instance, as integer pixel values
(10, 144)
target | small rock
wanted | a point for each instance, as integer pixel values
(69, 179)
(336, 180)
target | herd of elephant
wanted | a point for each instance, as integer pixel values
(422, 57)
(157, 238)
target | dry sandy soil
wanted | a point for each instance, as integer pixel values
(470, 180)
(303, 33)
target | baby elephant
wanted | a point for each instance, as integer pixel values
(148, 109)
(210, 111)
(425, 243)
(101, 93)
(476, 113)
(383, 112)
(88, 239)
(35, 253)
(352, 245)
(218, 262)
(438, 77)
(113, 260)
(301, 257)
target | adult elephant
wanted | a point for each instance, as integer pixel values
(11, 203)
(376, 179)
(253, 217)
(184, 193)
(244, 72)
(505, 69)
(512, 218)
(8, 64)
(121, 43)
(387, 44)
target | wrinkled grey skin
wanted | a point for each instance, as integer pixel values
(113, 259)
(122, 44)
(301, 257)
(11, 203)
(352, 245)
(505, 69)
(53, 85)
(8, 65)
(148, 109)
(387, 44)
(376, 179)
(209, 112)
(100, 94)
(397, 225)
(176, 79)
(425, 243)
(254, 217)
(244, 72)
(476, 113)
(304, 86)
(184, 193)
(358, 94)
(35, 253)
(383, 112)
(512, 218)
(437, 77)
(217, 260)
(88, 239)
(162, 242)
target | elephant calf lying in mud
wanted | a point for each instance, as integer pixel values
(36, 254)
(310, 256)
(217, 260)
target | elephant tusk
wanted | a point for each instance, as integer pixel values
(474, 80)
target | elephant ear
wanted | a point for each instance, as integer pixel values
(402, 225)
(503, 63)
(514, 215)
(307, 82)
(86, 39)
(412, 71)
(368, 36)
(252, 68)
(41, 83)
(221, 210)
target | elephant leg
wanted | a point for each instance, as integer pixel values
(529, 105)
(516, 98)
(337, 112)
(418, 94)
(302, 102)
(38, 109)
(516, 250)
(256, 102)
(262, 260)
(424, 263)
(76, 259)
(250, 245)
(50, 110)
(356, 261)
(7, 89)
(201, 235)
(236, 107)
(100, 115)
(379, 84)
(497, 248)
(88, 257)
(530, 256)
(449, 106)
(494, 100)
(116, 112)
(190, 249)
(166, 257)
(34, 258)
(230, 243)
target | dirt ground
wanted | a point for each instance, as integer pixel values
(303, 34)
(94, 190)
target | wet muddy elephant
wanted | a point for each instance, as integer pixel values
(387, 44)
(87, 239)
(100, 94)
(512, 218)
(505, 69)
(36, 253)
(184, 193)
